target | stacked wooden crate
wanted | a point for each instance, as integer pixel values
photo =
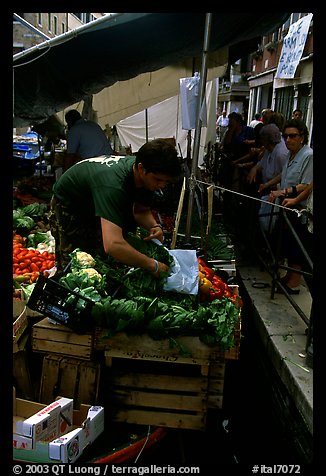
(69, 368)
(151, 383)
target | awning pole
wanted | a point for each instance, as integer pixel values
(201, 98)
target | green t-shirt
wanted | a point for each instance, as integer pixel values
(102, 187)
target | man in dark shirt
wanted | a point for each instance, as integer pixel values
(99, 199)
(84, 139)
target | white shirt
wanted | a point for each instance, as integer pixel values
(222, 121)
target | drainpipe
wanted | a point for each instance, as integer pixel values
(201, 98)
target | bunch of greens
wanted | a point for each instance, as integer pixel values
(169, 317)
(20, 220)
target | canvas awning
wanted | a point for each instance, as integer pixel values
(63, 71)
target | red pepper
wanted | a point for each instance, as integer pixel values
(215, 293)
(208, 271)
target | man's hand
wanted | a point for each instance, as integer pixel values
(155, 232)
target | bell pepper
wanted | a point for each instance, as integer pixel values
(204, 286)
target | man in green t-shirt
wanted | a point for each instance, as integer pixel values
(96, 201)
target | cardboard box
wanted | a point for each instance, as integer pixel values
(87, 425)
(70, 446)
(44, 425)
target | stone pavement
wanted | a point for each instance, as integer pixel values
(283, 333)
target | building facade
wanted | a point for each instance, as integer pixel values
(282, 95)
(250, 86)
(30, 29)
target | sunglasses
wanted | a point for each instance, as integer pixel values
(292, 136)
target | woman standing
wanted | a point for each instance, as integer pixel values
(297, 170)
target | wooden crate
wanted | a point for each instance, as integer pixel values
(21, 370)
(72, 378)
(149, 383)
(58, 339)
(144, 347)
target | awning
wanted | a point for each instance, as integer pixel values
(61, 72)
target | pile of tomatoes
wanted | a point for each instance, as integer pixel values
(212, 286)
(29, 263)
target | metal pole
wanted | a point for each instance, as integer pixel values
(201, 97)
(146, 124)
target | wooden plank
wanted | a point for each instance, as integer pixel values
(143, 346)
(165, 419)
(217, 370)
(50, 378)
(22, 376)
(69, 381)
(48, 346)
(160, 400)
(45, 330)
(89, 378)
(216, 386)
(140, 355)
(215, 401)
(161, 382)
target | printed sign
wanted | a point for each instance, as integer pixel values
(293, 46)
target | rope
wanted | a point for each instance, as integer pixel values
(298, 212)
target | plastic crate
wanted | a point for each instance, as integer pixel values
(64, 306)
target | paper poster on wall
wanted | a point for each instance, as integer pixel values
(293, 46)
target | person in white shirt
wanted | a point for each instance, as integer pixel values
(255, 121)
(222, 125)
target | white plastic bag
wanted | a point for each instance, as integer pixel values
(184, 272)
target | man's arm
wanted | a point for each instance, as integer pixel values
(116, 246)
(144, 218)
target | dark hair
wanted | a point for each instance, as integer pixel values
(72, 116)
(297, 110)
(159, 156)
(278, 119)
(301, 126)
(257, 116)
(237, 117)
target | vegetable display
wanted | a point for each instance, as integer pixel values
(133, 301)
(28, 263)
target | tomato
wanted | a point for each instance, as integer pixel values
(21, 254)
(45, 254)
(34, 267)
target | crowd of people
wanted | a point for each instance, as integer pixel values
(270, 159)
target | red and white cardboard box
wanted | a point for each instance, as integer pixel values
(45, 425)
(67, 448)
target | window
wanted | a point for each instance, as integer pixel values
(63, 27)
(39, 19)
(49, 22)
(284, 101)
(55, 25)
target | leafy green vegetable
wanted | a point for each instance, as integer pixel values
(20, 220)
(35, 238)
(35, 210)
